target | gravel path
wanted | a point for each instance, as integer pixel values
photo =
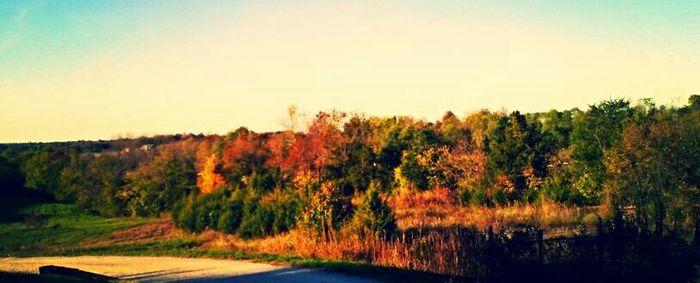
(159, 269)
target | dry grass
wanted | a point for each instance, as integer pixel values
(440, 247)
(162, 229)
(437, 208)
(435, 251)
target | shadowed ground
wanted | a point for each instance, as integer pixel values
(150, 269)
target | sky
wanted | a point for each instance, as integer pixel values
(81, 70)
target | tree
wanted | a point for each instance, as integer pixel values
(416, 158)
(516, 152)
(209, 177)
(597, 130)
(653, 170)
(413, 171)
(452, 129)
(481, 124)
(242, 156)
(353, 164)
(559, 126)
(310, 154)
(104, 190)
(10, 175)
(42, 170)
(157, 184)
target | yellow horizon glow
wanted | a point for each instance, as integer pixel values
(376, 59)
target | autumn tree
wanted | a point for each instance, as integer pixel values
(209, 177)
(311, 153)
(243, 154)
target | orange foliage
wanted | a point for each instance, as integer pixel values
(208, 180)
(208, 177)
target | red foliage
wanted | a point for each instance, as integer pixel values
(278, 145)
(243, 155)
(311, 152)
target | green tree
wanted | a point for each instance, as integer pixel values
(598, 129)
(156, 185)
(373, 216)
(653, 169)
(516, 153)
(42, 170)
(559, 126)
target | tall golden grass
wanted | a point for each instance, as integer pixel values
(437, 208)
(430, 237)
(434, 251)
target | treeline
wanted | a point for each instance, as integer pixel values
(641, 160)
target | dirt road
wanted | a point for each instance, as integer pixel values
(158, 269)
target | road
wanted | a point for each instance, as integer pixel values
(159, 269)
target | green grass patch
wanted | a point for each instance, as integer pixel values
(31, 227)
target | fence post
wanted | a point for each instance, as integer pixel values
(489, 253)
(540, 246)
(599, 253)
(696, 240)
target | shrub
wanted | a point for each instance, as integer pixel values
(480, 197)
(559, 187)
(232, 214)
(241, 211)
(326, 211)
(465, 196)
(373, 216)
(183, 215)
(274, 213)
(199, 212)
(499, 197)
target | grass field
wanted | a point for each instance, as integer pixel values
(32, 227)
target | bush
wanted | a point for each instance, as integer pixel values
(480, 197)
(232, 214)
(274, 213)
(326, 211)
(559, 187)
(241, 211)
(373, 216)
(465, 196)
(199, 212)
(182, 214)
(499, 197)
